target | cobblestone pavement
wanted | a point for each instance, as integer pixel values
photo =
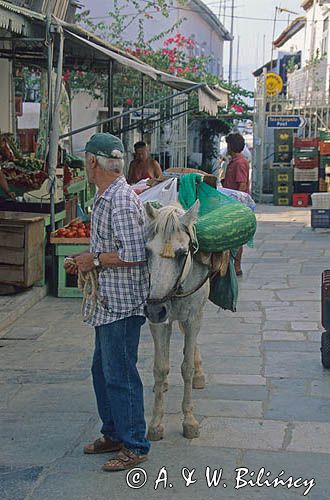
(266, 403)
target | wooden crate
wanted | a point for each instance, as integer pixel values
(21, 248)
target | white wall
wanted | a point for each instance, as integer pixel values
(295, 44)
(209, 42)
(7, 109)
(84, 111)
(321, 12)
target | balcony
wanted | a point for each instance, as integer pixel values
(310, 84)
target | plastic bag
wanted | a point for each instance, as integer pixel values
(224, 290)
(240, 196)
(165, 192)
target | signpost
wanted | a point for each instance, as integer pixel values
(291, 121)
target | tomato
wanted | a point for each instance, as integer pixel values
(60, 232)
(70, 234)
(81, 233)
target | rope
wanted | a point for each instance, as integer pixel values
(88, 285)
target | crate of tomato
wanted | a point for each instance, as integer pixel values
(75, 233)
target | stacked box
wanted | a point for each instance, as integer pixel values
(283, 140)
(306, 165)
(320, 217)
(282, 185)
(325, 162)
(320, 213)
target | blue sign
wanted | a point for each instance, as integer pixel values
(291, 121)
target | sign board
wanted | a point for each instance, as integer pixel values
(274, 84)
(291, 121)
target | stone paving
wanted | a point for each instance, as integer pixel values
(266, 402)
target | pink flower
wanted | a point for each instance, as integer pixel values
(66, 76)
(129, 101)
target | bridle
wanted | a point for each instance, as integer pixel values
(176, 291)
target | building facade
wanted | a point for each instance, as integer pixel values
(311, 82)
(199, 23)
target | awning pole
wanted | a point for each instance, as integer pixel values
(55, 131)
(142, 103)
(110, 94)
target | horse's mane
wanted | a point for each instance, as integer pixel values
(168, 221)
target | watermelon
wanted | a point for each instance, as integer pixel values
(226, 227)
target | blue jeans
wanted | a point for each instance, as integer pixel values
(117, 384)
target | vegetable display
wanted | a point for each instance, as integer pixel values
(17, 177)
(76, 229)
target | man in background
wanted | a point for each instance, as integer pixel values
(237, 177)
(143, 166)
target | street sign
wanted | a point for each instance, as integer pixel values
(291, 121)
(274, 84)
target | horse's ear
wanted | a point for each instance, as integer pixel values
(150, 210)
(190, 217)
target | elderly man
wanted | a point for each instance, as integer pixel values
(117, 251)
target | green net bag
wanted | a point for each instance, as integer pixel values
(223, 223)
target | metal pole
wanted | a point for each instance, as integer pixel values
(50, 42)
(110, 94)
(264, 50)
(237, 57)
(142, 103)
(220, 10)
(262, 136)
(230, 77)
(55, 131)
(273, 38)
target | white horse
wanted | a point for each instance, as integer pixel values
(179, 289)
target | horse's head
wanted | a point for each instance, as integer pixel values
(169, 251)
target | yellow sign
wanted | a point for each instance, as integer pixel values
(274, 84)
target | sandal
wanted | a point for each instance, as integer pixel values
(126, 459)
(102, 445)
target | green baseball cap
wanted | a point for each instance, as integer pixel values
(104, 144)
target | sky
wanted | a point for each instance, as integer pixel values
(251, 32)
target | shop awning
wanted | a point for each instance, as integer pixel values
(209, 99)
(17, 19)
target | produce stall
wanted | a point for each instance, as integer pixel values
(71, 239)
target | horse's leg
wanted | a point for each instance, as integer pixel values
(161, 334)
(191, 328)
(199, 377)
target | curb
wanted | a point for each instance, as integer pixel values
(20, 304)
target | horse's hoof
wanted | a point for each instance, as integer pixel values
(198, 382)
(190, 431)
(155, 433)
